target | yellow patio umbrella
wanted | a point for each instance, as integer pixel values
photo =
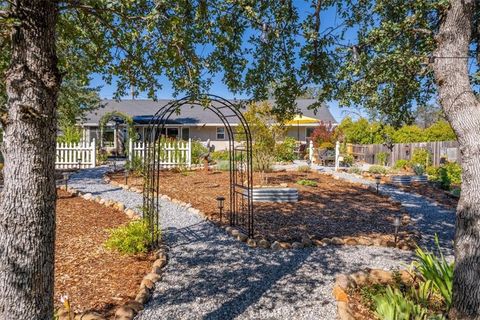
(301, 119)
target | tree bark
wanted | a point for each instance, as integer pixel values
(27, 208)
(463, 112)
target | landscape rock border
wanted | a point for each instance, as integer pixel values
(343, 283)
(407, 239)
(129, 310)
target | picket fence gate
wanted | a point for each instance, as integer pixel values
(172, 153)
(75, 155)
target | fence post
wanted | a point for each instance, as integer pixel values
(130, 150)
(337, 155)
(189, 153)
(94, 153)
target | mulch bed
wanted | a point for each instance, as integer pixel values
(94, 278)
(334, 208)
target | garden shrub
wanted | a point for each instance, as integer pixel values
(402, 164)
(136, 165)
(220, 155)
(197, 150)
(355, 170)
(133, 238)
(418, 169)
(382, 158)
(348, 160)
(377, 170)
(285, 151)
(102, 156)
(304, 169)
(450, 174)
(327, 145)
(422, 157)
(308, 183)
(223, 165)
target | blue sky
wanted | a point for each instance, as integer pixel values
(328, 18)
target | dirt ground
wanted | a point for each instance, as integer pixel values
(332, 209)
(93, 278)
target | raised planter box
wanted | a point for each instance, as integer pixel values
(275, 195)
(407, 180)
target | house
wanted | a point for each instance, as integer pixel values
(192, 122)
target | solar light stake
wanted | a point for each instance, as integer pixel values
(220, 204)
(66, 175)
(79, 161)
(378, 179)
(396, 224)
(126, 176)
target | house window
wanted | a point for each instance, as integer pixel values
(220, 133)
(185, 133)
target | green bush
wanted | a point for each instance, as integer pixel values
(304, 169)
(418, 169)
(422, 157)
(308, 183)
(433, 173)
(136, 165)
(348, 160)
(223, 165)
(197, 150)
(377, 170)
(102, 156)
(220, 155)
(382, 158)
(132, 238)
(450, 174)
(285, 151)
(355, 170)
(401, 164)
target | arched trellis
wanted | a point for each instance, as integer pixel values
(117, 114)
(240, 201)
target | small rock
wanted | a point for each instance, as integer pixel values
(380, 276)
(97, 199)
(306, 241)
(130, 213)
(228, 229)
(360, 278)
(251, 243)
(109, 203)
(284, 185)
(120, 206)
(147, 283)
(276, 246)
(319, 243)
(337, 241)
(134, 305)
(234, 232)
(344, 282)
(351, 241)
(143, 296)
(153, 277)
(297, 245)
(87, 196)
(242, 237)
(340, 294)
(102, 201)
(160, 263)
(365, 241)
(377, 242)
(89, 316)
(124, 313)
(264, 244)
(285, 245)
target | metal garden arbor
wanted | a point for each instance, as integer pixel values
(240, 200)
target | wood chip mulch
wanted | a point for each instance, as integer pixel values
(94, 278)
(334, 208)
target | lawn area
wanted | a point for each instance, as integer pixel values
(333, 208)
(93, 277)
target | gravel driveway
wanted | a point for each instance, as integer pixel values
(211, 276)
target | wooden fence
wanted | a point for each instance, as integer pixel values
(171, 154)
(75, 155)
(438, 150)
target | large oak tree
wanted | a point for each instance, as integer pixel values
(408, 51)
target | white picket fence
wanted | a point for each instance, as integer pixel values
(171, 154)
(75, 155)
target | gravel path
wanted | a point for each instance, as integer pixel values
(212, 276)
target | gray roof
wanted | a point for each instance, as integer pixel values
(188, 114)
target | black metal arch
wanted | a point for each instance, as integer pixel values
(240, 212)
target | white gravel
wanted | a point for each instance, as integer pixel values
(212, 276)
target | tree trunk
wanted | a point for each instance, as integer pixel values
(27, 208)
(463, 112)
